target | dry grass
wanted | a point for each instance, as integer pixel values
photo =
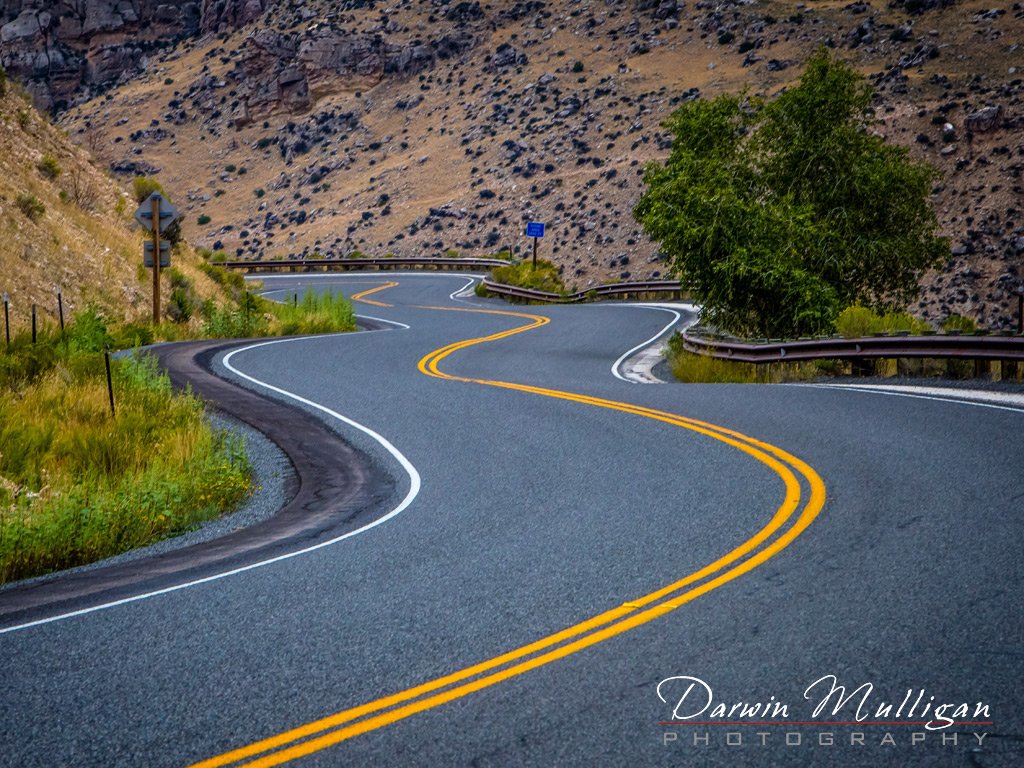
(700, 369)
(84, 240)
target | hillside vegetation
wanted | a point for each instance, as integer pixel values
(421, 125)
(66, 223)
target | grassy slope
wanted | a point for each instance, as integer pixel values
(87, 243)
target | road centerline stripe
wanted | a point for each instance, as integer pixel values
(361, 296)
(348, 723)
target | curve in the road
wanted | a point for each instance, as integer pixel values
(758, 549)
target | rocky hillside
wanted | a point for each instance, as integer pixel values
(297, 127)
(66, 224)
(70, 51)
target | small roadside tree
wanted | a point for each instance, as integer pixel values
(777, 215)
(142, 188)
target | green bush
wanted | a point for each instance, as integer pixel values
(203, 220)
(778, 214)
(959, 323)
(544, 278)
(49, 167)
(230, 279)
(857, 321)
(31, 206)
(183, 300)
(144, 186)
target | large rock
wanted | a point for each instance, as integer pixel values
(984, 120)
(224, 15)
(288, 72)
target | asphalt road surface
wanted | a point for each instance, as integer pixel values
(560, 567)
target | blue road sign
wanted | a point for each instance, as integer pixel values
(535, 229)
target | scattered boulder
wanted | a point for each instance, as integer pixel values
(984, 120)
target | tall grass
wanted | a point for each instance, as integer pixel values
(76, 484)
(313, 313)
(255, 316)
(690, 368)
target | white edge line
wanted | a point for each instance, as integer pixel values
(382, 320)
(890, 393)
(414, 489)
(618, 363)
(461, 292)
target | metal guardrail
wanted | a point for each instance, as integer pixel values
(307, 265)
(614, 289)
(969, 347)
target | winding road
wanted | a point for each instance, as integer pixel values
(547, 563)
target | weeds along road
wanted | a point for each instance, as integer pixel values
(572, 569)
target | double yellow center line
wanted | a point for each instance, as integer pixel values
(361, 296)
(788, 522)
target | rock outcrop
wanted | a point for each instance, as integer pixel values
(287, 72)
(68, 51)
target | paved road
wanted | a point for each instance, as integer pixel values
(570, 549)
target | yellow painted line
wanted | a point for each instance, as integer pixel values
(300, 741)
(362, 294)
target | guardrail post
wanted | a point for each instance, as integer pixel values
(982, 369)
(1008, 370)
(860, 366)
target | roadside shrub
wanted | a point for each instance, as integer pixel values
(182, 302)
(544, 278)
(144, 186)
(959, 323)
(857, 321)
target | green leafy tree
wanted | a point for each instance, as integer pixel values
(777, 215)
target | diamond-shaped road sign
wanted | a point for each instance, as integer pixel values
(144, 213)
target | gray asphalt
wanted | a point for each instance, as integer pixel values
(537, 513)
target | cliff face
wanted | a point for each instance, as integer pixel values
(288, 72)
(65, 53)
